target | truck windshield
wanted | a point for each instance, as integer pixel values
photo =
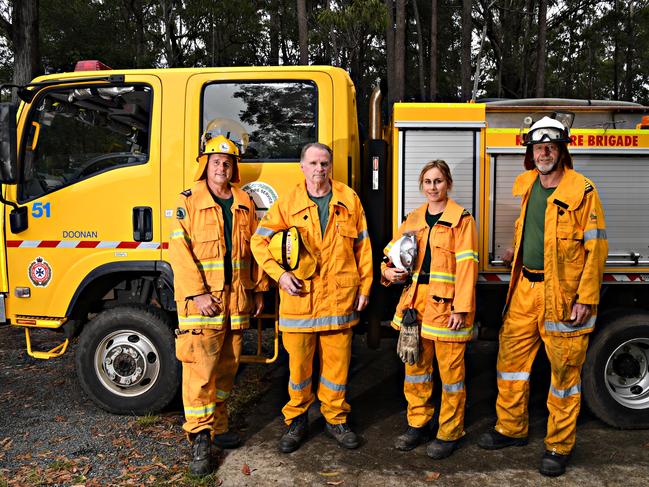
(75, 133)
(279, 116)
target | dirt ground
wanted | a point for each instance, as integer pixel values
(51, 434)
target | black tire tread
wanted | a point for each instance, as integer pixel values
(160, 326)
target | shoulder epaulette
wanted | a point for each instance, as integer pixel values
(589, 187)
(244, 207)
(466, 213)
(187, 192)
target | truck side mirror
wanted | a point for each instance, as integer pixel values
(8, 145)
(18, 219)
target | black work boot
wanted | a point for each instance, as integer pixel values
(412, 438)
(227, 440)
(492, 440)
(438, 449)
(201, 463)
(553, 464)
(295, 434)
(343, 434)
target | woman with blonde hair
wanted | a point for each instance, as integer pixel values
(436, 309)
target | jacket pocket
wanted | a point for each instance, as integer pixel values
(297, 305)
(205, 242)
(438, 310)
(347, 286)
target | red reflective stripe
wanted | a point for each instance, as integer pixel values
(13, 243)
(88, 244)
(49, 243)
(165, 245)
(128, 245)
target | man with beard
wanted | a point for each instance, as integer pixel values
(560, 250)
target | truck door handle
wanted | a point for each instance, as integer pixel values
(142, 224)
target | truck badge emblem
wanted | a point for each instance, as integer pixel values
(40, 272)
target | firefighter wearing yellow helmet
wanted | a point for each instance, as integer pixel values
(318, 304)
(558, 259)
(217, 287)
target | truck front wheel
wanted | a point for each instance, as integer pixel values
(616, 373)
(126, 360)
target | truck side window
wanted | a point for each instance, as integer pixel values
(278, 116)
(76, 133)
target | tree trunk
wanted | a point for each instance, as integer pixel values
(541, 48)
(420, 52)
(466, 50)
(172, 51)
(25, 40)
(389, 50)
(630, 40)
(273, 55)
(433, 50)
(400, 51)
(303, 32)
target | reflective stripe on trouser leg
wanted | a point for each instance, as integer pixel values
(566, 355)
(300, 348)
(225, 374)
(418, 386)
(450, 360)
(519, 343)
(199, 379)
(335, 350)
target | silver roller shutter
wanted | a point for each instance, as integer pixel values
(456, 147)
(622, 184)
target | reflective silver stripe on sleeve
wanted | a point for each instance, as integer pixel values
(563, 393)
(419, 379)
(567, 328)
(300, 386)
(317, 322)
(264, 232)
(595, 233)
(332, 385)
(457, 387)
(513, 375)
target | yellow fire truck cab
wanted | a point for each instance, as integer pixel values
(92, 166)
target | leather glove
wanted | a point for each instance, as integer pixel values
(408, 344)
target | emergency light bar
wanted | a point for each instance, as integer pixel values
(91, 65)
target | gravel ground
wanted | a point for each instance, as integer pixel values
(51, 434)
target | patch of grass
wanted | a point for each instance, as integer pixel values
(147, 421)
(3, 482)
(35, 477)
(60, 465)
(211, 480)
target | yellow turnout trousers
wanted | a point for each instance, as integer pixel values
(418, 383)
(334, 350)
(520, 338)
(210, 361)
(418, 387)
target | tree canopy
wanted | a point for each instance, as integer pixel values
(422, 49)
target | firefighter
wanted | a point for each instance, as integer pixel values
(217, 286)
(319, 310)
(558, 258)
(436, 309)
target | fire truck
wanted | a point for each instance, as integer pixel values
(92, 163)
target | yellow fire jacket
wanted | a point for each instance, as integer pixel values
(196, 252)
(453, 271)
(575, 248)
(343, 255)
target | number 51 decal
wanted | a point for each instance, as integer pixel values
(40, 209)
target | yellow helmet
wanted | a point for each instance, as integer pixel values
(218, 145)
(290, 252)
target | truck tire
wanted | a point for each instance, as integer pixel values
(126, 360)
(616, 373)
